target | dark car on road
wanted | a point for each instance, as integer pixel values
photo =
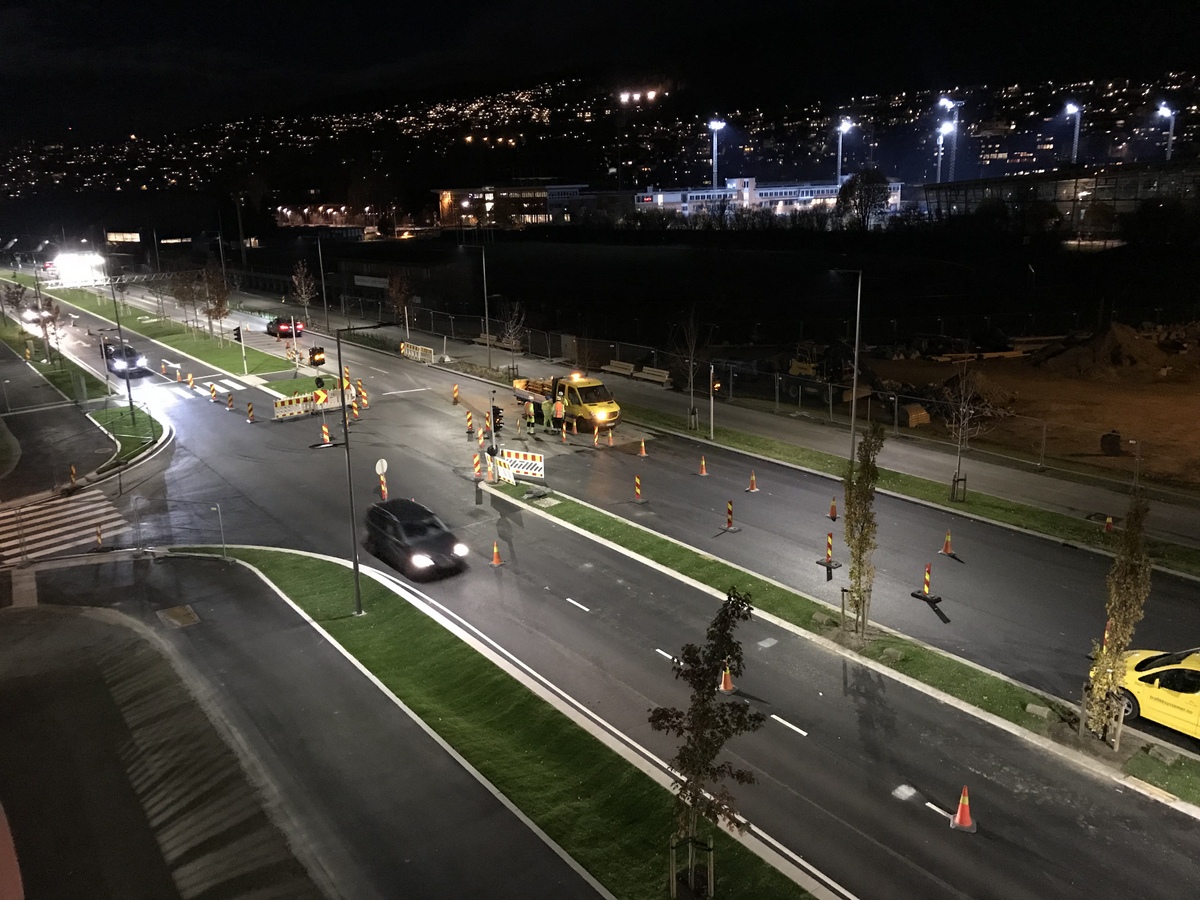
(124, 360)
(281, 326)
(411, 538)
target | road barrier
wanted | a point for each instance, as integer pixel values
(527, 465)
(417, 352)
(291, 407)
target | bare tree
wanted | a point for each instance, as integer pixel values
(863, 197)
(968, 414)
(707, 725)
(513, 330)
(399, 292)
(304, 286)
(861, 478)
(216, 296)
(184, 289)
(1128, 583)
(686, 345)
(49, 316)
(14, 297)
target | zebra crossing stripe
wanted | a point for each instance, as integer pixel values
(58, 524)
(233, 385)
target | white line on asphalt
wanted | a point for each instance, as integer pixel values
(799, 731)
(380, 371)
(904, 792)
(576, 603)
(938, 810)
(233, 385)
(409, 391)
(664, 653)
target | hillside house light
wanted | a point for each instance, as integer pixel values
(715, 125)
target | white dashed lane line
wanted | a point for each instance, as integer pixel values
(799, 731)
(576, 603)
(664, 653)
(380, 371)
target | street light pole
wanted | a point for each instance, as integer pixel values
(952, 106)
(943, 130)
(321, 267)
(358, 608)
(121, 337)
(845, 126)
(854, 364)
(1169, 114)
(1074, 109)
(711, 376)
(714, 126)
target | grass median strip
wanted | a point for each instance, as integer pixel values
(61, 372)
(974, 686)
(608, 815)
(1051, 524)
(135, 431)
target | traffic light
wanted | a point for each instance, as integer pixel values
(316, 356)
(237, 333)
(716, 385)
(497, 418)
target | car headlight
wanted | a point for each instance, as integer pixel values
(118, 364)
(141, 362)
(601, 415)
(421, 561)
(460, 549)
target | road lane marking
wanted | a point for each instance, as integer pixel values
(580, 605)
(664, 653)
(937, 809)
(233, 385)
(799, 731)
(409, 391)
(380, 371)
(904, 792)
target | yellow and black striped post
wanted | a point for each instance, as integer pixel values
(456, 395)
(470, 427)
(354, 409)
(212, 393)
(324, 434)
(229, 405)
(382, 486)
(250, 413)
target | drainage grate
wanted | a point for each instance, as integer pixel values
(178, 617)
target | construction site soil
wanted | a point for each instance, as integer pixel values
(1145, 387)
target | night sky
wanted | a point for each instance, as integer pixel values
(105, 69)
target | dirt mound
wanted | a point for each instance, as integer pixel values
(1112, 353)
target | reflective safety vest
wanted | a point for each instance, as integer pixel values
(559, 410)
(529, 410)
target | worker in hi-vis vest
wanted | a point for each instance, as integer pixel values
(530, 417)
(547, 414)
(560, 412)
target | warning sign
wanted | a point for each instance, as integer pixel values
(504, 471)
(320, 397)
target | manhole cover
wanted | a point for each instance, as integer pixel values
(178, 617)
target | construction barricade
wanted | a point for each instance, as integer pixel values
(417, 352)
(525, 465)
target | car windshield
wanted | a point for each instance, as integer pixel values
(422, 529)
(596, 393)
(1164, 659)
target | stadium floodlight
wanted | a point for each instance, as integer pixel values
(715, 125)
(1167, 113)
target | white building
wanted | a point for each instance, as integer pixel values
(745, 193)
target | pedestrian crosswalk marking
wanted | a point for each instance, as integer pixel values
(60, 524)
(223, 386)
(233, 385)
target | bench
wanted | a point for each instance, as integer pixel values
(660, 376)
(618, 368)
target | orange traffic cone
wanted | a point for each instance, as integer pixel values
(753, 489)
(726, 685)
(177, 377)
(703, 471)
(164, 367)
(946, 550)
(496, 562)
(575, 426)
(610, 437)
(643, 452)
(962, 820)
(1108, 524)
(833, 509)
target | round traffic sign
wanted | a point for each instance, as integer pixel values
(381, 467)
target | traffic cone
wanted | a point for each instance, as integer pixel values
(1108, 524)
(496, 562)
(574, 426)
(178, 377)
(164, 367)
(753, 489)
(610, 437)
(643, 452)
(833, 509)
(962, 820)
(703, 470)
(946, 550)
(726, 685)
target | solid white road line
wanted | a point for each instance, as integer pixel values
(380, 371)
(664, 653)
(580, 605)
(937, 809)
(409, 391)
(233, 385)
(799, 731)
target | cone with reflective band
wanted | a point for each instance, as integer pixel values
(703, 470)
(478, 473)
(491, 471)
(753, 489)
(643, 452)
(496, 562)
(164, 367)
(962, 820)
(178, 376)
(191, 383)
(250, 413)
(726, 685)
(470, 427)
(833, 510)
(610, 437)
(324, 434)
(947, 550)
(229, 405)
(456, 395)
(1107, 524)
(383, 487)
(575, 426)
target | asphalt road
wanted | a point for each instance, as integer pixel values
(381, 804)
(823, 796)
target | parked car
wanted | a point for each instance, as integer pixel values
(124, 360)
(281, 326)
(411, 538)
(1164, 688)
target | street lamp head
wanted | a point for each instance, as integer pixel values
(845, 126)
(650, 95)
(946, 128)
(946, 103)
(624, 96)
(1072, 109)
(715, 124)
(1165, 111)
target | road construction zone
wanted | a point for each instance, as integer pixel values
(318, 401)
(524, 465)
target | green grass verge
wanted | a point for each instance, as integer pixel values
(979, 688)
(60, 372)
(1057, 525)
(222, 354)
(603, 811)
(135, 433)
(1181, 777)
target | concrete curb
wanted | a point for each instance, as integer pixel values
(1082, 761)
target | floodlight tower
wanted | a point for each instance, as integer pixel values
(715, 125)
(1169, 114)
(843, 127)
(953, 106)
(945, 129)
(1074, 109)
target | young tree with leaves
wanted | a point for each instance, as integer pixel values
(863, 197)
(13, 298)
(862, 474)
(1128, 587)
(707, 725)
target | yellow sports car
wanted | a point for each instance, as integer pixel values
(1164, 688)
